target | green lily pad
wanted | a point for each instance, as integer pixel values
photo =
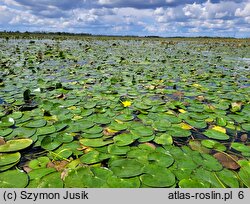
(244, 173)
(23, 132)
(86, 112)
(8, 166)
(101, 119)
(46, 130)
(52, 180)
(93, 130)
(13, 179)
(125, 168)
(89, 105)
(117, 126)
(5, 132)
(157, 176)
(164, 139)
(118, 150)
(229, 178)
(212, 144)
(172, 119)
(207, 177)
(146, 139)
(50, 143)
(142, 131)
(36, 123)
(197, 124)
(40, 162)
(93, 157)
(191, 183)
(99, 178)
(178, 132)
(123, 139)
(77, 178)
(40, 172)
(125, 117)
(246, 126)
(139, 154)
(160, 159)
(97, 142)
(6, 122)
(64, 137)
(81, 125)
(240, 147)
(116, 182)
(9, 158)
(91, 136)
(216, 135)
(16, 115)
(209, 162)
(196, 145)
(161, 125)
(15, 145)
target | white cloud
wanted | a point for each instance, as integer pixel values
(243, 12)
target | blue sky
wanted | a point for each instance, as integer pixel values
(224, 18)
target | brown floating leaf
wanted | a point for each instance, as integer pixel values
(27, 169)
(227, 160)
(150, 145)
(2, 141)
(243, 138)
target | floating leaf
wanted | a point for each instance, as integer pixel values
(123, 139)
(244, 173)
(240, 147)
(98, 142)
(8, 158)
(5, 132)
(160, 159)
(229, 178)
(142, 131)
(6, 122)
(13, 179)
(212, 144)
(118, 150)
(15, 145)
(216, 135)
(36, 123)
(227, 160)
(93, 157)
(77, 178)
(52, 180)
(50, 143)
(191, 183)
(116, 182)
(46, 130)
(164, 139)
(40, 172)
(126, 168)
(219, 129)
(40, 162)
(157, 176)
(196, 145)
(178, 132)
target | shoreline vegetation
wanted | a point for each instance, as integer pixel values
(60, 35)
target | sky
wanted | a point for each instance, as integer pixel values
(167, 18)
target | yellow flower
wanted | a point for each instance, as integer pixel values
(126, 103)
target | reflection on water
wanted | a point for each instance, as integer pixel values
(2, 101)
